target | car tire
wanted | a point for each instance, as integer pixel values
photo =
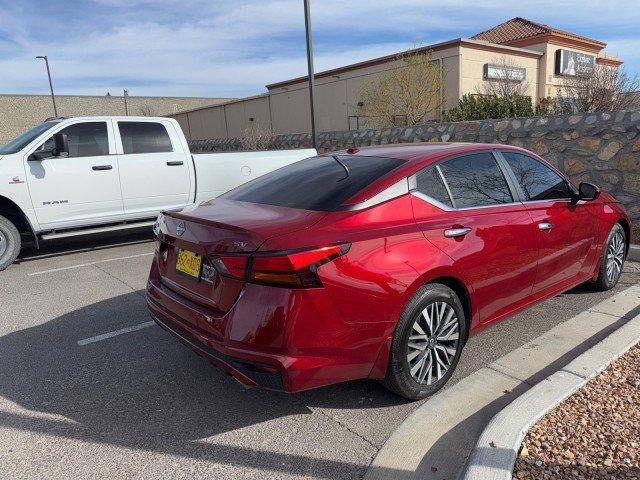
(10, 243)
(614, 254)
(419, 352)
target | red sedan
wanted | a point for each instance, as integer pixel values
(377, 263)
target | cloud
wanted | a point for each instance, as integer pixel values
(222, 48)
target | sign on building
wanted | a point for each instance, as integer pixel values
(574, 64)
(501, 72)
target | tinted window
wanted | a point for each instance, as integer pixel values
(317, 183)
(144, 137)
(538, 181)
(475, 181)
(88, 139)
(26, 138)
(429, 182)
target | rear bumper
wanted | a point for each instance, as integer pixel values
(248, 373)
(274, 338)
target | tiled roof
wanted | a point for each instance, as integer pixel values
(520, 28)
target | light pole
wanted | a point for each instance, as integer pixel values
(125, 94)
(53, 97)
(312, 82)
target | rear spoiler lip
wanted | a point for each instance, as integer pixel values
(180, 215)
(204, 221)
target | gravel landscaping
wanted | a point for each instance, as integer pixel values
(595, 434)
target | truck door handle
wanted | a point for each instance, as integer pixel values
(175, 164)
(456, 232)
(101, 167)
(545, 225)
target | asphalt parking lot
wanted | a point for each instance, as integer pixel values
(90, 388)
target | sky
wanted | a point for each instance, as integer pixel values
(216, 48)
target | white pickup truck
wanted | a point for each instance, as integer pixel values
(86, 175)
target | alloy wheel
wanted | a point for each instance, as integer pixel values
(615, 256)
(433, 343)
(3, 243)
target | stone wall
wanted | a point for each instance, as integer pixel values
(21, 112)
(601, 148)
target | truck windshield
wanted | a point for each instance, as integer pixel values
(319, 183)
(26, 138)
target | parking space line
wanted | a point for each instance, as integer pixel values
(81, 265)
(105, 336)
(60, 253)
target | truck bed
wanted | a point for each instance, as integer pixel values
(218, 173)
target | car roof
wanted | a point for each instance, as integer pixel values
(416, 156)
(420, 151)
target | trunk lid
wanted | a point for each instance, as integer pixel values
(221, 226)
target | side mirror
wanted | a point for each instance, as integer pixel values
(61, 144)
(588, 191)
(60, 149)
(40, 155)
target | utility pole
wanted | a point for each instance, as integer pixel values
(53, 97)
(312, 82)
(126, 107)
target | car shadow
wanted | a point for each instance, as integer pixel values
(144, 390)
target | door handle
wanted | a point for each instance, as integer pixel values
(545, 225)
(101, 167)
(175, 164)
(456, 232)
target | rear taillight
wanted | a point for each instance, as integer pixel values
(291, 268)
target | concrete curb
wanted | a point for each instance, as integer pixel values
(497, 449)
(433, 442)
(634, 253)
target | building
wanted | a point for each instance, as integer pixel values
(538, 56)
(20, 112)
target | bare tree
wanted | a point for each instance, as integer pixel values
(505, 82)
(146, 111)
(607, 88)
(409, 94)
(255, 137)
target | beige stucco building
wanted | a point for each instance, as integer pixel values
(20, 112)
(535, 55)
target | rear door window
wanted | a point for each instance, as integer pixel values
(318, 183)
(144, 137)
(429, 182)
(475, 180)
(537, 180)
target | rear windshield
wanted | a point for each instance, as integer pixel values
(317, 183)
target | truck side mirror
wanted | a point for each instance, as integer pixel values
(61, 145)
(60, 149)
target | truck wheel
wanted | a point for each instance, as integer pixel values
(10, 243)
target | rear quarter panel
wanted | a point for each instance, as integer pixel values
(388, 261)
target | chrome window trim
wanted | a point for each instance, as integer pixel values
(442, 206)
(446, 185)
(401, 187)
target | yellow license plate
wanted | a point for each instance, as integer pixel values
(189, 263)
